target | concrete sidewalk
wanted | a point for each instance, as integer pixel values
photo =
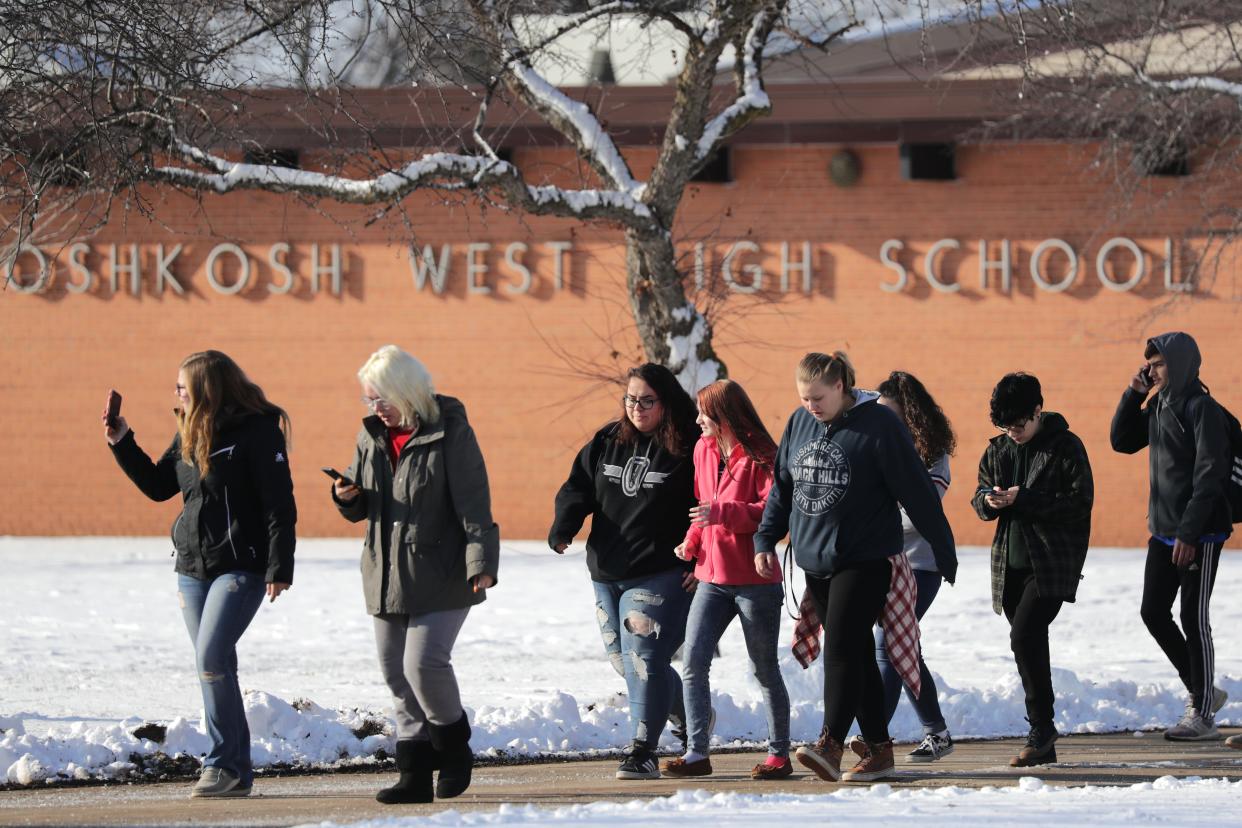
(1115, 759)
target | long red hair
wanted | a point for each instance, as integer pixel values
(727, 404)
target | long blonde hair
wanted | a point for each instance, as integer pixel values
(403, 382)
(217, 387)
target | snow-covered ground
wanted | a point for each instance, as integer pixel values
(1166, 801)
(93, 645)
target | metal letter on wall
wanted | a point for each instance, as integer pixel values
(333, 269)
(210, 267)
(1140, 264)
(475, 268)
(45, 271)
(513, 259)
(987, 265)
(1169, 284)
(903, 276)
(76, 265)
(558, 261)
(134, 269)
(929, 266)
(788, 267)
(756, 272)
(276, 258)
(1037, 260)
(164, 276)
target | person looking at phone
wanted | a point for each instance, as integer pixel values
(1188, 514)
(431, 552)
(234, 538)
(1035, 482)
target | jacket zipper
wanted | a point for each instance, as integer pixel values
(228, 516)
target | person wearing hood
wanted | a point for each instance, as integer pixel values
(1188, 513)
(431, 553)
(844, 467)
(234, 538)
(1035, 482)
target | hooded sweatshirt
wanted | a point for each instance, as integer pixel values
(837, 487)
(638, 496)
(1189, 458)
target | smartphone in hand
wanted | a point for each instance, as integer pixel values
(113, 409)
(336, 475)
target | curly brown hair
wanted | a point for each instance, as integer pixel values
(930, 428)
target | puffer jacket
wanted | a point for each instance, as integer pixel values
(429, 520)
(1189, 455)
(241, 515)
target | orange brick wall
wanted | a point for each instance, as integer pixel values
(509, 356)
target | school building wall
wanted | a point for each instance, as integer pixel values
(519, 360)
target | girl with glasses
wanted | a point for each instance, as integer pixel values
(635, 480)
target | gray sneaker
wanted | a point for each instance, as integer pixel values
(1234, 741)
(1219, 697)
(1193, 728)
(218, 782)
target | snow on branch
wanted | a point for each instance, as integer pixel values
(1197, 84)
(434, 171)
(752, 101)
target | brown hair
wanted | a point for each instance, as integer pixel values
(678, 419)
(930, 428)
(828, 369)
(727, 403)
(217, 388)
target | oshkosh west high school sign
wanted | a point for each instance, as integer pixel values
(1052, 265)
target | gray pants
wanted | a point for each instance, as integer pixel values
(415, 655)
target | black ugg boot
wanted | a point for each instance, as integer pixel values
(453, 757)
(415, 760)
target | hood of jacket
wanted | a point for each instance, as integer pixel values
(1181, 355)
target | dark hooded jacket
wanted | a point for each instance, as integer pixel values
(241, 515)
(836, 489)
(1189, 457)
(1051, 517)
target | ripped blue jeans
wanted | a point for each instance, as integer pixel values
(643, 622)
(216, 613)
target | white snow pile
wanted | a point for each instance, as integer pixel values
(95, 647)
(1030, 802)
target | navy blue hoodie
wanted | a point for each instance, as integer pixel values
(837, 488)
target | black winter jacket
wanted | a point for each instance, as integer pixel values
(638, 496)
(1052, 512)
(241, 516)
(1189, 458)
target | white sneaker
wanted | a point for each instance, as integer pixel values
(1193, 728)
(933, 747)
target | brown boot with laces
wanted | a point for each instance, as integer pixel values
(822, 758)
(875, 762)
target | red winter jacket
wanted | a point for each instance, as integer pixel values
(725, 548)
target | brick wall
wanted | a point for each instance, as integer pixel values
(511, 357)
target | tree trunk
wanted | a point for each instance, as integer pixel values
(673, 332)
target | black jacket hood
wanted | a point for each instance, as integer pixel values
(1181, 355)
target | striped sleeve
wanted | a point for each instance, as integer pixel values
(940, 474)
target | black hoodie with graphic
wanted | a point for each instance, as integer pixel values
(1189, 458)
(638, 496)
(837, 487)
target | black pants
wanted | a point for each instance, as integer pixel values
(1029, 618)
(1189, 648)
(849, 604)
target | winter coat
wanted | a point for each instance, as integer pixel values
(429, 520)
(725, 548)
(638, 496)
(1052, 511)
(241, 515)
(837, 489)
(1189, 458)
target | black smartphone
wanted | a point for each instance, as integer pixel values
(1145, 375)
(114, 408)
(336, 475)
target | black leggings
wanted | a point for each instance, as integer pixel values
(849, 604)
(1029, 618)
(1190, 648)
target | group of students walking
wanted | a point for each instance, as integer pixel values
(689, 500)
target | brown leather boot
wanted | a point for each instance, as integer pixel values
(876, 764)
(822, 758)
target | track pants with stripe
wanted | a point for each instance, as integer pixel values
(1189, 648)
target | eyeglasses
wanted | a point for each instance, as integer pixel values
(641, 403)
(375, 403)
(1018, 426)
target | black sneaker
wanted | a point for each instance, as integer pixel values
(933, 747)
(641, 763)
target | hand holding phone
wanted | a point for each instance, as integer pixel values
(344, 489)
(1142, 381)
(112, 412)
(336, 475)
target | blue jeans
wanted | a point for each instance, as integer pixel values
(927, 705)
(712, 610)
(643, 622)
(216, 614)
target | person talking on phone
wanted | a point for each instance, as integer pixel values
(1188, 514)
(234, 537)
(431, 552)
